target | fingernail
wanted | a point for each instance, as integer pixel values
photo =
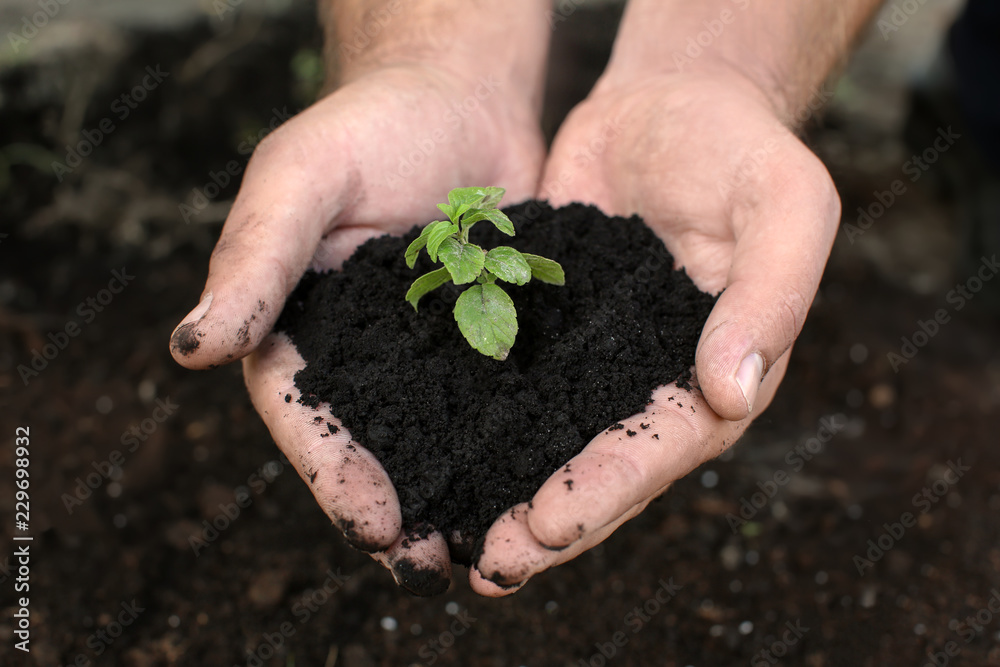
(748, 377)
(198, 312)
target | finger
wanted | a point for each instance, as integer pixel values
(285, 204)
(623, 467)
(418, 562)
(511, 554)
(784, 232)
(348, 482)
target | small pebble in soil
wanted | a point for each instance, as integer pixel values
(746, 627)
(451, 608)
(389, 623)
(709, 479)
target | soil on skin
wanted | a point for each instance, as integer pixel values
(464, 436)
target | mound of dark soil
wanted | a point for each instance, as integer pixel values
(462, 436)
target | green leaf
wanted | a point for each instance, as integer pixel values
(546, 270)
(464, 260)
(449, 211)
(418, 244)
(426, 283)
(495, 216)
(442, 230)
(476, 197)
(508, 264)
(488, 320)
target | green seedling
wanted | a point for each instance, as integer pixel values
(485, 314)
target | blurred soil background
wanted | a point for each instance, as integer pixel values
(279, 586)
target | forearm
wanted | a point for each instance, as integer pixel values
(506, 39)
(786, 48)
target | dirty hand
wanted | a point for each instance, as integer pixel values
(744, 206)
(372, 158)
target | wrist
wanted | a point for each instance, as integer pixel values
(495, 40)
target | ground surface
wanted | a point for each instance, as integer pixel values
(279, 574)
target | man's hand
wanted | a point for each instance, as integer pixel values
(416, 116)
(704, 157)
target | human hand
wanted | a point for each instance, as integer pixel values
(744, 206)
(320, 185)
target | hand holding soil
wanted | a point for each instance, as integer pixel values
(676, 151)
(313, 191)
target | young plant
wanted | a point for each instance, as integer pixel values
(485, 314)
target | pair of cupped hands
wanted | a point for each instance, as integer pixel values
(743, 205)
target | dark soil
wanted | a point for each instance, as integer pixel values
(463, 436)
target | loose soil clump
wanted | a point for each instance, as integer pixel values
(463, 436)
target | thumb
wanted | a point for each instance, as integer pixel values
(783, 240)
(270, 236)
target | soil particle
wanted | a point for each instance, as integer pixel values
(419, 580)
(630, 433)
(569, 484)
(288, 398)
(185, 339)
(464, 437)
